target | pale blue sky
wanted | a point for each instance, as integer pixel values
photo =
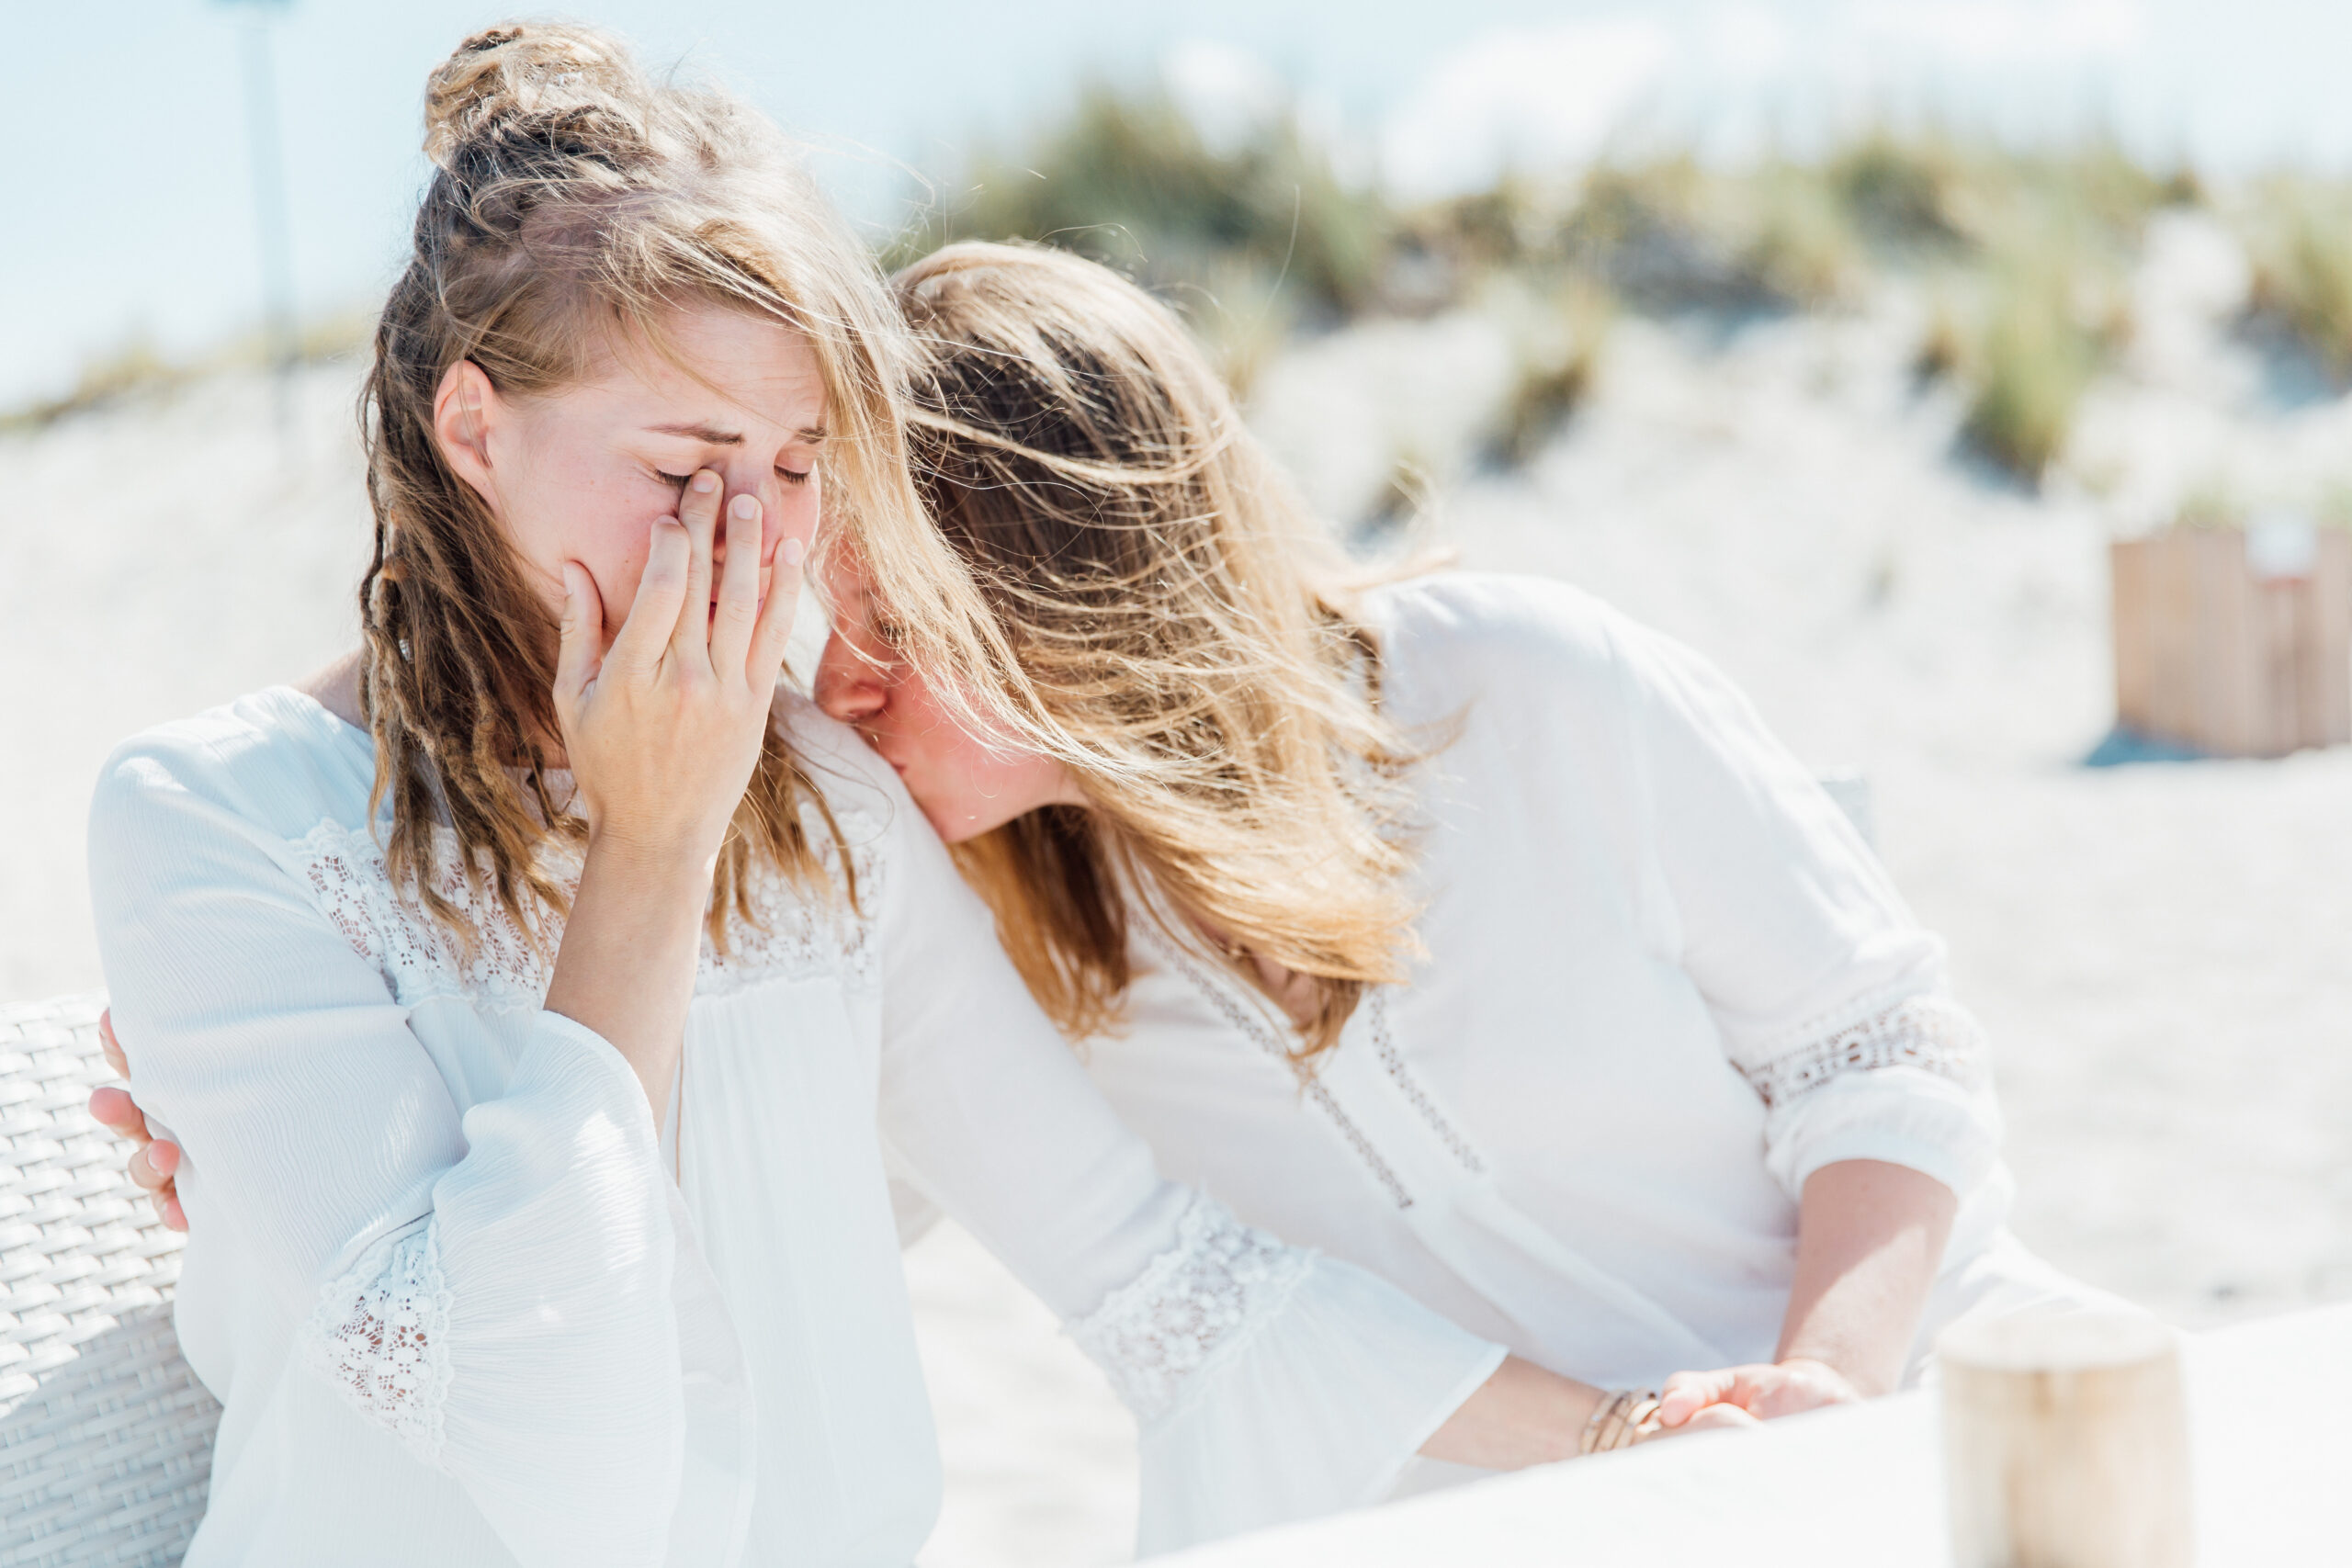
(132, 208)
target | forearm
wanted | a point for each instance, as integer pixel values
(1521, 1415)
(627, 966)
(1871, 1239)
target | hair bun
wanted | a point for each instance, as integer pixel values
(521, 69)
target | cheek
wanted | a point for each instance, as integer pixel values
(606, 528)
(976, 770)
(617, 571)
(932, 741)
(963, 784)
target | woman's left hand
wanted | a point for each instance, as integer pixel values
(1764, 1390)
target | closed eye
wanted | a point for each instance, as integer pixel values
(790, 477)
(675, 481)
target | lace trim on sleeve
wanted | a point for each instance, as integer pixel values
(381, 1334)
(1927, 1031)
(1195, 1306)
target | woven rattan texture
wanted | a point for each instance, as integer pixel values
(106, 1437)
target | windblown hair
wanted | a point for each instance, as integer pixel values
(575, 206)
(1186, 628)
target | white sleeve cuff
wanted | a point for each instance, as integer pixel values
(553, 1244)
(1305, 1392)
(1906, 1116)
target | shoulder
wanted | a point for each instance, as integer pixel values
(862, 791)
(1547, 672)
(1488, 607)
(904, 872)
(223, 800)
(275, 758)
(1452, 637)
(837, 758)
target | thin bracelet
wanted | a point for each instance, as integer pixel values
(1590, 1441)
(1619, 1421)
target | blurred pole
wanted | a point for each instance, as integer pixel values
(272, 224)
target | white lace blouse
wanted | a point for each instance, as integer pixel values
(457, 1309)
(1665, 982)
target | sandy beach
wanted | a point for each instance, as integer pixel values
(2162, 953)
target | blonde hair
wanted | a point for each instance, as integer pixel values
(1185, 628)
(574, 205)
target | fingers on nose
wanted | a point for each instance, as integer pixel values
(745, 525)
(702, 499)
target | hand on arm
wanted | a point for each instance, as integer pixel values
(1869, 1239)
(153, 1161)
(662, 732)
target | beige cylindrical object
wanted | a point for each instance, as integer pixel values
(2066, 1443)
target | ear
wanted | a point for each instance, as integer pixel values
(464, 411)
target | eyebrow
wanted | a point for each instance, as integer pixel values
(711, 435)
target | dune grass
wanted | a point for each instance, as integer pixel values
(2031, 303)
(2033, 360)
(2024, 251)
(1259, 237)
(1128, 180)
(2299, 237)
(1804, 245)
(1667, 233)
(1559, 336)
(2025, 334)
(1915, 193)
(137, 367)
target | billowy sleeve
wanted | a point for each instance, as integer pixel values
(1830, 998)
(494, 1288)
(1270, 1383)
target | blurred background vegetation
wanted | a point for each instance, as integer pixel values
(2023, 256)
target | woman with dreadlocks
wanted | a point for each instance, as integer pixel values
(524, 989)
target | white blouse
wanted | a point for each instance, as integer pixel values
(1664, 982)
(456, 1308)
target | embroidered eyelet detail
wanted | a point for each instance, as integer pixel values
(418, 956)
(1383, 1042)
(799, 933)
(1194, 1307)
(1929, 1031)
(1253, 1028)
(380, 1335)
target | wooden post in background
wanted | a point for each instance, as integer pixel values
(2235, 643)
(2066, 1443)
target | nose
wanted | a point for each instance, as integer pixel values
(762, 486)
(847, 687)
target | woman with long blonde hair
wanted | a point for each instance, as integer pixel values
(525, 990)
(1458, 925)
